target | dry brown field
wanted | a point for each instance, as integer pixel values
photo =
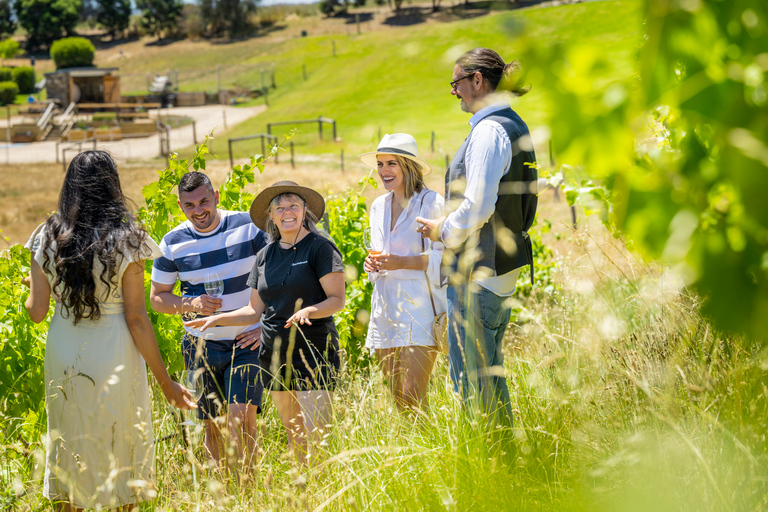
(30, 191)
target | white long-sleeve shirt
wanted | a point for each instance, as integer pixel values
(401, 309)
(487, 160)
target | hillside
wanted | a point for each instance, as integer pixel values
(390, 77)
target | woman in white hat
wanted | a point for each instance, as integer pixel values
(406, 274)
(297, 285)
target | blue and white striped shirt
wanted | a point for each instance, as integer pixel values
(229, 251)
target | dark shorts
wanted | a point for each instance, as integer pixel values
(310, 370)
(231, 376)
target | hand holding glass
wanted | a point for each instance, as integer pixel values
(369, 246)
(194, 383)
(368, 242)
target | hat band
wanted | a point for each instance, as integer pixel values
(395, 151)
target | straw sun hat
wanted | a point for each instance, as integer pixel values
(396, 144)
(259, 215)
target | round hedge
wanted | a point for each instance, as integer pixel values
(72, 52)
(8, 92)
(24, 77)
(5, 75)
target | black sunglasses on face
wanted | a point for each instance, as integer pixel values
(454, 82)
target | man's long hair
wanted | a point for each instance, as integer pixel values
(500, 76)
(92, 222)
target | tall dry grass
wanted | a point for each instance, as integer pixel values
(624, 398)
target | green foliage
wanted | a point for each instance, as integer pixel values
(114, 15)
(24, 77)
(8, 92)
(691, 189)
(347, 218)
(72, 52)
(47, 20)
(227, 16)
(22, 349)
(159, 16)
(8, 48)
(6, 75)
(7, 22)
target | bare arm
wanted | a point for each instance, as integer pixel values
(144, 336)
(394, 262)
(163, 300)
(39, 299)
(246, 315)
(333, 286)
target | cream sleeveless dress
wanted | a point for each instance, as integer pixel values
(100, 445)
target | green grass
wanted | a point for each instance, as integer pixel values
(397, 79)
(394, 79)
(625, 400)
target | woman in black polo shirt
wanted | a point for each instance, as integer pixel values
(297, 285)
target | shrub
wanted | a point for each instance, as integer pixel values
(24, 77)
(8, 92)
(72, 52)
(8, 48)
(6, 75)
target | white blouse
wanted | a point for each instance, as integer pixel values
(401, 311)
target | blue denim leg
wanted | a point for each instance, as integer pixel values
(484, 359)
(455, 314)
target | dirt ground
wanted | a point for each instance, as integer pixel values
(30, 192)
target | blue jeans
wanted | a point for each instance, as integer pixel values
(477, 367)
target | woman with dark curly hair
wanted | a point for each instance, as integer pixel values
(90, 256)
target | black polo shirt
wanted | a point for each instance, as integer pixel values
(285, 276)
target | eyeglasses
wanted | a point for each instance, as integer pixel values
(454, 82)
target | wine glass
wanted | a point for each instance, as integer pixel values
(194, 383)
(368, 242)
(369, 246)
(214, 286)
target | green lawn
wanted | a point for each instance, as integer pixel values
(397, 79)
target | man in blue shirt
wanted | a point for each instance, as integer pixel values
(490, 192)
(214, 245)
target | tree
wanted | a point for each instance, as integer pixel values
(8, 49)
(7, 23)
(158, 16)
(230, 16)
(114, 15)
(46, 20)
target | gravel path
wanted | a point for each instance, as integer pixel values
(206, 119)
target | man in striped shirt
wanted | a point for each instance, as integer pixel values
(213, 245)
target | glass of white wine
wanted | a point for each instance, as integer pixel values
(373, 249)
(214, 285)
(368, 242)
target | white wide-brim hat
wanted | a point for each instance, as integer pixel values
(400, 144)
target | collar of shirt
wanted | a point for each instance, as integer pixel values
(486, 111)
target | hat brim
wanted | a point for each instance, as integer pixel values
(369, 159)
(259, 215)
